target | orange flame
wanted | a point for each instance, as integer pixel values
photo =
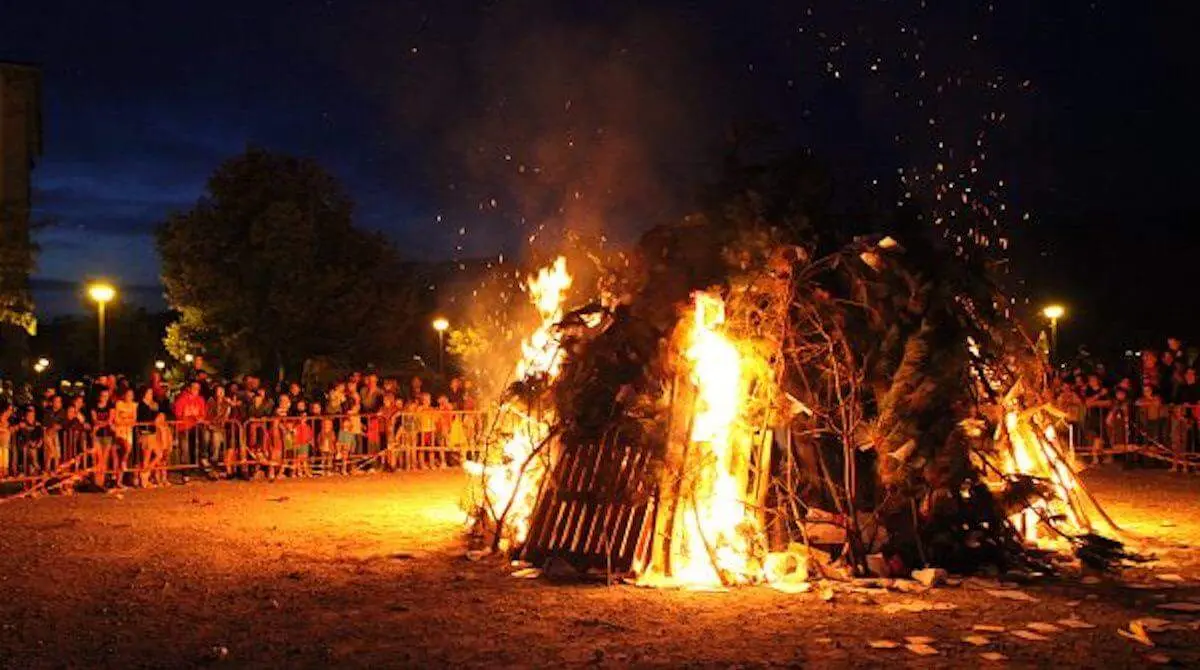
(716, 521)
(511, 486)
(1031, 453)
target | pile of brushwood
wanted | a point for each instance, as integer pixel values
(889, 364)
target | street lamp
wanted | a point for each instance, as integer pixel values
(160, 365)
(41, 365)
(1054, 313)
(188, 358)
(102, 293)
(440, 324)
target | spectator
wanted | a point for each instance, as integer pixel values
(457, 394)
(1096, 399)
(218, 413)
(190, 412)
(280, 438)
(102, 435)
(1071, 403)
(372, 395)
(1175, 348)
(260, 406)
(1117, 420)
(427, 430)
(118, 426)
(327, 446)
(73, 433)
(389, 413)
(350, 431)
(335, 400)
(146, 435)
(27, 440)
(303, 437)
(124, 418)
(6, 413)
(52, 422)
(158, 387)
(1151, 414)
(469, 401)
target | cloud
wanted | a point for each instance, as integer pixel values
(92, 211)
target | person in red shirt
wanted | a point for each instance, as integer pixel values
(190, 410)
(303, 439)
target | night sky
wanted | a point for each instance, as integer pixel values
(462, 129)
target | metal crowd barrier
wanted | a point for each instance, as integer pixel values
(435, 438)
(278, 445)
(1137, 432)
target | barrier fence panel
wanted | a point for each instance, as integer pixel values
(434, 438)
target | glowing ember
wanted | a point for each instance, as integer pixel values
(511, 486)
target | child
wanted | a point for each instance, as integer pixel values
(282, 438)
(351, 430)
(427, 427)
(389, 413)
(303, 437)
(325, 445)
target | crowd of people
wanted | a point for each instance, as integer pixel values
(1153, 401)
(126, 435)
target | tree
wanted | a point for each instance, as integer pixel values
(268, 269)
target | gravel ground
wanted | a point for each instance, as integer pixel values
(369, 571)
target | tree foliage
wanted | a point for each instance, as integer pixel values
(17, 253)
(268, 268)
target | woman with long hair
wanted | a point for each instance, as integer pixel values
(102, 436)
(146, 434)
(124, 418)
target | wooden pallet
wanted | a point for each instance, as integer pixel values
(594, 509)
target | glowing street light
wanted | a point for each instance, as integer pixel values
(188, 358)
(1054, 313)
(41, 365)
(440, 324)
(102, 293)
(160, 365)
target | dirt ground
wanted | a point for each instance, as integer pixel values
(370, 571)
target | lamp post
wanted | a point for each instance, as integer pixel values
(440, 324)
(102, 293)
(41, 365)
(1054, 313)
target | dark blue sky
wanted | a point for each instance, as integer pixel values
(462, 127)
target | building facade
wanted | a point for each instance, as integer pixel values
(20, 148)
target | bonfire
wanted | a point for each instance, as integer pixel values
(752, 412)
